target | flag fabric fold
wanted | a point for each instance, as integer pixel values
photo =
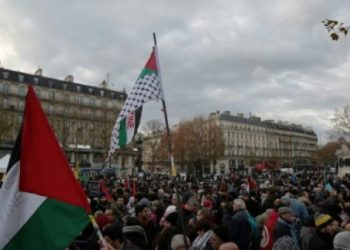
(42, 204)
(147, 87)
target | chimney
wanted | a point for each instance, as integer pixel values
(69, 78)
(39, 72)
(103, 84)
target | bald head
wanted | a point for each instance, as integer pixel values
(229, 246)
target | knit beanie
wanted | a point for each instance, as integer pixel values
(323, 220)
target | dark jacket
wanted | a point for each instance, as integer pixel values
(321, 241)
(240, 232)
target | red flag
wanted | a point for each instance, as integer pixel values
(126, 183)
(44, 167)
(260, 166)
(42, 204)
(133, 193)
(267, 239)
(105, 190)
(251, 183)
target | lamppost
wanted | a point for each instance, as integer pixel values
(139, 144)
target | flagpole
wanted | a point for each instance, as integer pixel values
(170, 148)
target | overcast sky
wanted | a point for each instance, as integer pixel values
(273, 58)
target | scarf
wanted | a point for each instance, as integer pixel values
(200, 241)
(292, 231)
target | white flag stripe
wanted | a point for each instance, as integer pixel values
(16, 207)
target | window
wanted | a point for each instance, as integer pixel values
(80, 99)
(21, 105)
(66, 98)
(5, 74)
(66, 110)
(20, 78)
(65, 86)
(52, 95)
(78, 88)
(22, 91)
(92, 102)
(102, 93)
(6, 88)
(91, 91)
(6, 103)
(50, 108)
(20, 119)
(36, 80)
(37, 91)
(51, 84)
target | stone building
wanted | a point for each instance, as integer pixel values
(82, 116)
(251, 140)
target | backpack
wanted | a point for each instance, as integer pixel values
(267, 238)
(252, 223)
(253, 231)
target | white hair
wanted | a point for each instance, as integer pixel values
(240, 204)
(178, 241)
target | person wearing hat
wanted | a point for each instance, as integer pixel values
(325, 230)
(114, 237)
(285, 233)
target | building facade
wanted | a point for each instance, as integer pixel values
(82, 116)
(251, 140)
(343, 160)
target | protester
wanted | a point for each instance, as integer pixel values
(240, 230)
(178, 242)
(149, 221)
(342, 241)
(220, 235)
(323, 239)
(203, 228)
(229, 246)
(285, 233)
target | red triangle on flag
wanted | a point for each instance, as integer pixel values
(44, 169)
(152, 63)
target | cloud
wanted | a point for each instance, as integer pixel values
(272, 58)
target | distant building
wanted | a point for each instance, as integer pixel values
(251, 140)
(343, 156)
(154, 155)
(82, 116)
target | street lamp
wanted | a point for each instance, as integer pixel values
(139, 144)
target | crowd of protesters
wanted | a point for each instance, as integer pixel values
(304, 211)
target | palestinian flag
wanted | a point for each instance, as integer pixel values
(42, 206)
(147, 87)
(128, 127)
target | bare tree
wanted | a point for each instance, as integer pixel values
(341, 123)
(198, 142)
(153, 126)
(153, 130)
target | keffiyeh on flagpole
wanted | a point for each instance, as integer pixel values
(148, 87)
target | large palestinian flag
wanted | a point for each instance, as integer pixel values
(147, 87)
(41, 204)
